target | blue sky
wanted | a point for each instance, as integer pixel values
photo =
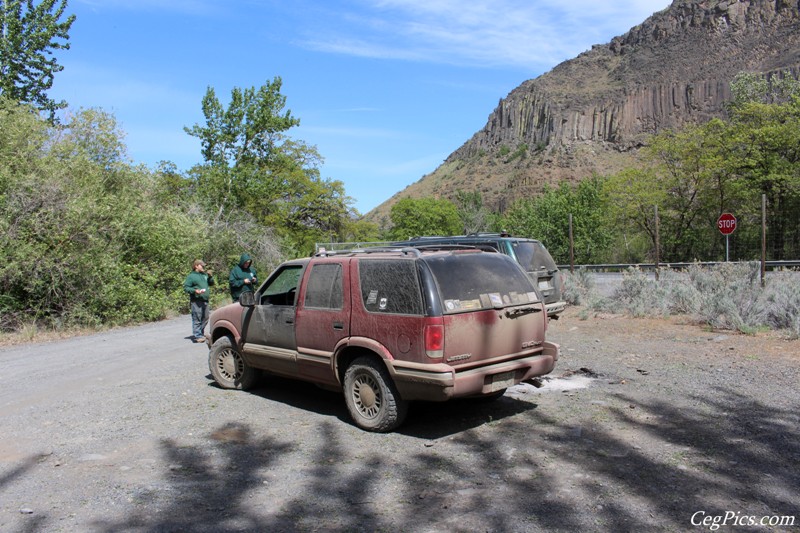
(385, 89)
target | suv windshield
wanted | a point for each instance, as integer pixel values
(470, 281)
(533, 256)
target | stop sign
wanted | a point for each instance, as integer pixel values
(726, 223)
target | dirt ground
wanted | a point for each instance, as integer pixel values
(645, 425)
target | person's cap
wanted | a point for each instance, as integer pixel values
(199, 262)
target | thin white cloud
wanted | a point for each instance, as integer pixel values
(354, 132)
(520, 33)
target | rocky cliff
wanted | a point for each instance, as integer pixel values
(591, 114)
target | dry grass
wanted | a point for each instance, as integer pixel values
(33, 333)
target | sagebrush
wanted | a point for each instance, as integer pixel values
(726, 296)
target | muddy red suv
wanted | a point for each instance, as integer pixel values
(387, 326)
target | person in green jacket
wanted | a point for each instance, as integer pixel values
(197, 285)
(242, 277)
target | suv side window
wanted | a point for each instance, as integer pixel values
(324, 287)
(282, 288)
(390, 286)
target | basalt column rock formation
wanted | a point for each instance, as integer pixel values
(591, 114)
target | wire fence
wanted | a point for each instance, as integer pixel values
(617, 267)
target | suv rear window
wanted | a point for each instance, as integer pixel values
(390, 286)
(470, 281)
(533, 256)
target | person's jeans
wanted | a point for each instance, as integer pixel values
(199, 317)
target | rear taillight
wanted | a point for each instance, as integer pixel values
(434, 338)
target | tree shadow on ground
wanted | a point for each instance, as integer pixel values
(726, 454)
(426, 420)
(437, 420)
(642, 465)
(36, 523)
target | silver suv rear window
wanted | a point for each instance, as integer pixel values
(533, 256)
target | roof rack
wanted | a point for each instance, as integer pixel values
(488, 234)
(405, 250)
(443, 247)
(473, 234)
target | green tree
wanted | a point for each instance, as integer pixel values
(85, 240)
(88, 239)
(243, 145)
(764, 141)
(414, 217)
(547, 218)
(687, 175)
(753, 87)
(29, 34)
(695, 174)
(251, 164)
(474, 216)
(359, 230)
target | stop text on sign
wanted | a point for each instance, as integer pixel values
(726, 223)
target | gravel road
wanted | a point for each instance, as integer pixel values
(645, 425)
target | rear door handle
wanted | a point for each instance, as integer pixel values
(338, 325)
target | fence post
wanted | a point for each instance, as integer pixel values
(763, 239)
(571, 248)
(658, 245)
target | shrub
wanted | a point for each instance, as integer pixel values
(639, 295)
(727, 296)
(782, 302)
(730, 296)
(88, 240)
(578, 287)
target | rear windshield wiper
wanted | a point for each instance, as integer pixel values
(520, 311)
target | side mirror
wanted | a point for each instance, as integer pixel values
(247, 299)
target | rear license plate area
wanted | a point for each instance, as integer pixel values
(501, 381)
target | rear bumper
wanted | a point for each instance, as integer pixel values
(555, 308)
(442, 382)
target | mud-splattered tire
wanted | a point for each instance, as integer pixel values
(372, 399)
(228, 367)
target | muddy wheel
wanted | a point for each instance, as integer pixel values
(371, 396)
(228, 367)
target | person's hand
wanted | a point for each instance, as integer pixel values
(247, 281)
(198, 291)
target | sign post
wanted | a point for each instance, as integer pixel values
(727, 225)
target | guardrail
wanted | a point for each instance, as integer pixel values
(770, 265)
